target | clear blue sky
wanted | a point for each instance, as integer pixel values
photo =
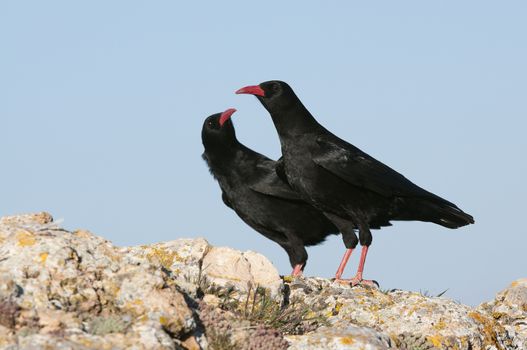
(101, 107)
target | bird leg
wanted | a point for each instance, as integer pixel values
(358, 277)
(342, 266)
(297, 270)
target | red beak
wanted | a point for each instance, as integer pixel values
(226, 115)
(253, 90)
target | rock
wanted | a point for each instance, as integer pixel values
(182, 257)
(408, 319)
(333, 338)
(509, 309)
(75, 290)
(225, 266)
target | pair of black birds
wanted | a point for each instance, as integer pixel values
(322, 185)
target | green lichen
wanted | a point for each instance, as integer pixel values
(102, 325)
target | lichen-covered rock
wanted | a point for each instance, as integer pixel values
(182, 258)
(409, 320)
(509, 309)
(75, 290)
(334, 338)
(60, 289)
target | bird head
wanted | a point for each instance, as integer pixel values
(275, 95)
(218, 129)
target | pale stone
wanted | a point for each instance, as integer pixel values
(225, 266)
(263, 272)
(349, 338)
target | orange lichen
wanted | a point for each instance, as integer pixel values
(347, 340)
(162, 256)
(440, 325)
(436, 340)
(163, 320)
(489, 327)
(43, 257)
(82, 234)
(25, 238)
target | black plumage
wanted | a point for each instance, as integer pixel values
(354, 190)
(250, 186)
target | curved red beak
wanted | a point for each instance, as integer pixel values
(252, 89)
(226, 115)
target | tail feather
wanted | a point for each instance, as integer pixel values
(436, 210)
(447, 214)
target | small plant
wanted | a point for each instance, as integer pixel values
(293, 318)
(263, 338)
(427, 294)
(217, 327)
(263, 319)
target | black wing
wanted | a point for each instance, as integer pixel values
(269, 183)
(359, 169)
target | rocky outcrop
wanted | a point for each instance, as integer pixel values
(75, 290)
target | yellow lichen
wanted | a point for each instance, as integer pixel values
(335, 310)
(82, 233)
(497, 315)
(43, 257)
(25, 238)
(142, 318)
(489, 327)
(374, 307)
(289, 279)
(412, 310)
(347, 340)
(135, 307)
(311, 314)
(162, 256)
(86, 342)
(435, 340)
(440, 325)
(163, 320)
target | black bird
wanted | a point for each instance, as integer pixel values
(250, 186)
(354, 190)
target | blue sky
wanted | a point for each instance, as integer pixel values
(101, 107)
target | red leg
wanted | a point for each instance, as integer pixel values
(297, 270)
(358, 277)
(342, 265)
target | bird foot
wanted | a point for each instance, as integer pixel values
(297, 270)
(357, 281)
(296, 274)
(365, 283)
(345, 281)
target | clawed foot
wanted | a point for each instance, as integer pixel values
(365, 283)
(296, 274)
(355, 281)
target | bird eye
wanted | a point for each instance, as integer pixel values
(276, 87)
(209, 123)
